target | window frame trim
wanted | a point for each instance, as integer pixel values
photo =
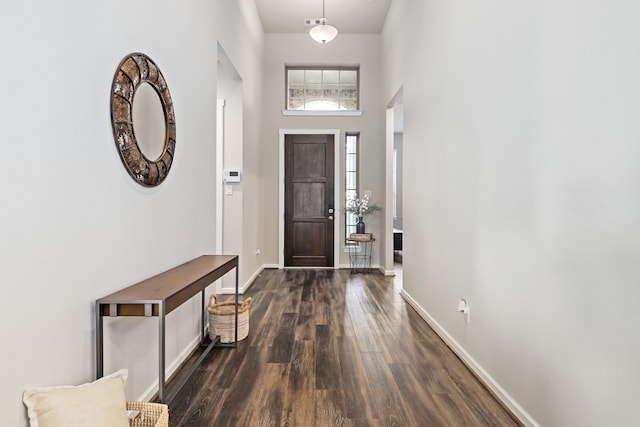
(355, 68)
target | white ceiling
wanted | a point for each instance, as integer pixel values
(348, 16)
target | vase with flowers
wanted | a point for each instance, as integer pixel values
(360, 208)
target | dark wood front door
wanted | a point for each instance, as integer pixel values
(309, 203)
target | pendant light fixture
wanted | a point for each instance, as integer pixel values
(323, 33)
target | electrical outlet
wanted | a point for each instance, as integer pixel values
(463, 307)
(257, 252)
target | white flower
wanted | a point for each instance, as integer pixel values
(360, 207)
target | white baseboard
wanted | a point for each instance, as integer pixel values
(373, 267)
(243, 288)
(492, 384)
(151, 391)
(388, 273)
(339, 267)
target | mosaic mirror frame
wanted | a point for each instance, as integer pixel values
(134, 70)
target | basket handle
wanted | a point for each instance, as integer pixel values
(246, 303)
(212, 300)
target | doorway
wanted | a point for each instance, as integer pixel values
(308, 221)
(394, 249)
(229, 154)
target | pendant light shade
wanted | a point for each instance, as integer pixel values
(323, 33)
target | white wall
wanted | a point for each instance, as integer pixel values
(523, 120)
(74, 226)
(346, 49)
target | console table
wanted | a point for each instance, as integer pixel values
(159, 296)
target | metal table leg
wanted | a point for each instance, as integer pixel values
(161, 349)
(99, 343)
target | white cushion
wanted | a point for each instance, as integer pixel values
(101, 403)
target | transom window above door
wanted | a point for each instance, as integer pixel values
(322, 88)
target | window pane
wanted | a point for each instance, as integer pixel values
(313, 105)
(296, 77)
(351, 144)
(313, 76)
(331, 104)
(351, 183)
(331, 91)
(331, 77)
(348, 76)
(296, 104)
(348, 92)
(313, 91)
(348, 104)
(296, 92)
(351, 162)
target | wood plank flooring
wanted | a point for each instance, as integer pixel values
(328, 348)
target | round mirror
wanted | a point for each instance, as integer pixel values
(143, 120)
(148, 122)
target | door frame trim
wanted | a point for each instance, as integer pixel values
(336, 190)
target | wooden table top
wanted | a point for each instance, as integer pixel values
(173, 286)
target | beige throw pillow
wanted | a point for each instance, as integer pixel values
(101, 403)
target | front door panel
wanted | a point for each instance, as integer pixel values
(309, 191)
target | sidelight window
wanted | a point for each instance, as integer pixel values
(351, 179)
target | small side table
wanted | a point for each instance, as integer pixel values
(360, 259)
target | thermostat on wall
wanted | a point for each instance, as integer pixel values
(231, 176)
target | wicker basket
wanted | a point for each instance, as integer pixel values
(153, 414)
(222, 319)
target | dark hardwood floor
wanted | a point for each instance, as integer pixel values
(328, 348)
